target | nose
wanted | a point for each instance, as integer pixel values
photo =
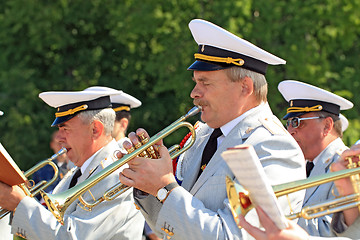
(195, 93)
(60, 136)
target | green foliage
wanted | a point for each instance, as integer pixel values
(144, 49)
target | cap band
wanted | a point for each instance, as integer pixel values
(71, 111)
(226, 58)
(66, 112)
(299, 107)
(122, 108)
(316, 108)
(236, 61)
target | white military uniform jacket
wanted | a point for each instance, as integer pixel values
(321, 193)
(340, 229)
(117, 219)
(199, 209)
(5, 228)
(352, 232)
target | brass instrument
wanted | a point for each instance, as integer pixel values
(120, 188)
(32, 190)
(58, 203)
(241, 203)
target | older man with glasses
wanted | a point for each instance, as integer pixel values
(313, 119)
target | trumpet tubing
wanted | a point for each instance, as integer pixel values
(34, 190)
(355, 179)
(337, 205)
(58, 203)
(120, 188)
(240, 201)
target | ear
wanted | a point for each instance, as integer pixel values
(124, 122)
(328, 126)
(97, 129)
(247, 86)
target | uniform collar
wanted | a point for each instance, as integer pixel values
(226, 129)
(88, 161)
(323, 156)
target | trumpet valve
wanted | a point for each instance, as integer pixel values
(130, 150)
(150, 150)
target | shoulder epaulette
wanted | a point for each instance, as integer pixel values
(273, 126)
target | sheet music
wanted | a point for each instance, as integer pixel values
(245, 165)
(10, 173)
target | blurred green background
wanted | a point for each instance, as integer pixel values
(144, 49)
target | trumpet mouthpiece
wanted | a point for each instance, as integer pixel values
(60, 152)
(195, 110)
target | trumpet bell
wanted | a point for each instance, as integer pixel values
(33, 190)
(238, 198)
(240, 201)
(54, 205)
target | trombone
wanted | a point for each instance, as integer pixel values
(31, 189)
(240, 201)
(58, 203)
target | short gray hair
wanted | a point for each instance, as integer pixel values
(106, 116)
(259, 81)
(336, 120)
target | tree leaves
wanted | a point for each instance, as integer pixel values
(144, 48)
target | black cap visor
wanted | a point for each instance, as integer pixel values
(206, 66)
(293, 114)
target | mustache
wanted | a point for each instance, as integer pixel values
(199, 102)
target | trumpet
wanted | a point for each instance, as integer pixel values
(58, 203)
(31, 189)
(240, 201)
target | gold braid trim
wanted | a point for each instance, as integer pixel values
(228, 60)
(71, 111)
(305, 109)
(123, 108)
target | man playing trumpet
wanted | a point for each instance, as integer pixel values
(344, 224)
(313, 120)
(230, 86)
(85, 121)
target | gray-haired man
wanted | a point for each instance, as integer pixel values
(85, 121)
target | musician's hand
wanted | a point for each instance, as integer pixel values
(354, 152)
(272, 232)
(344, 186)
(146, 174)
(10, 197)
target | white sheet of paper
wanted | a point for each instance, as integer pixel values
(244, 163)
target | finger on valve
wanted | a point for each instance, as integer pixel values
(144, 138)
(136, 144)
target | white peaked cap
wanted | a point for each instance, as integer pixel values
(57, 99)
(215, 41)
(207, 33)
(121, 98)
(344, 122)
(69, 104)
(310, 98)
